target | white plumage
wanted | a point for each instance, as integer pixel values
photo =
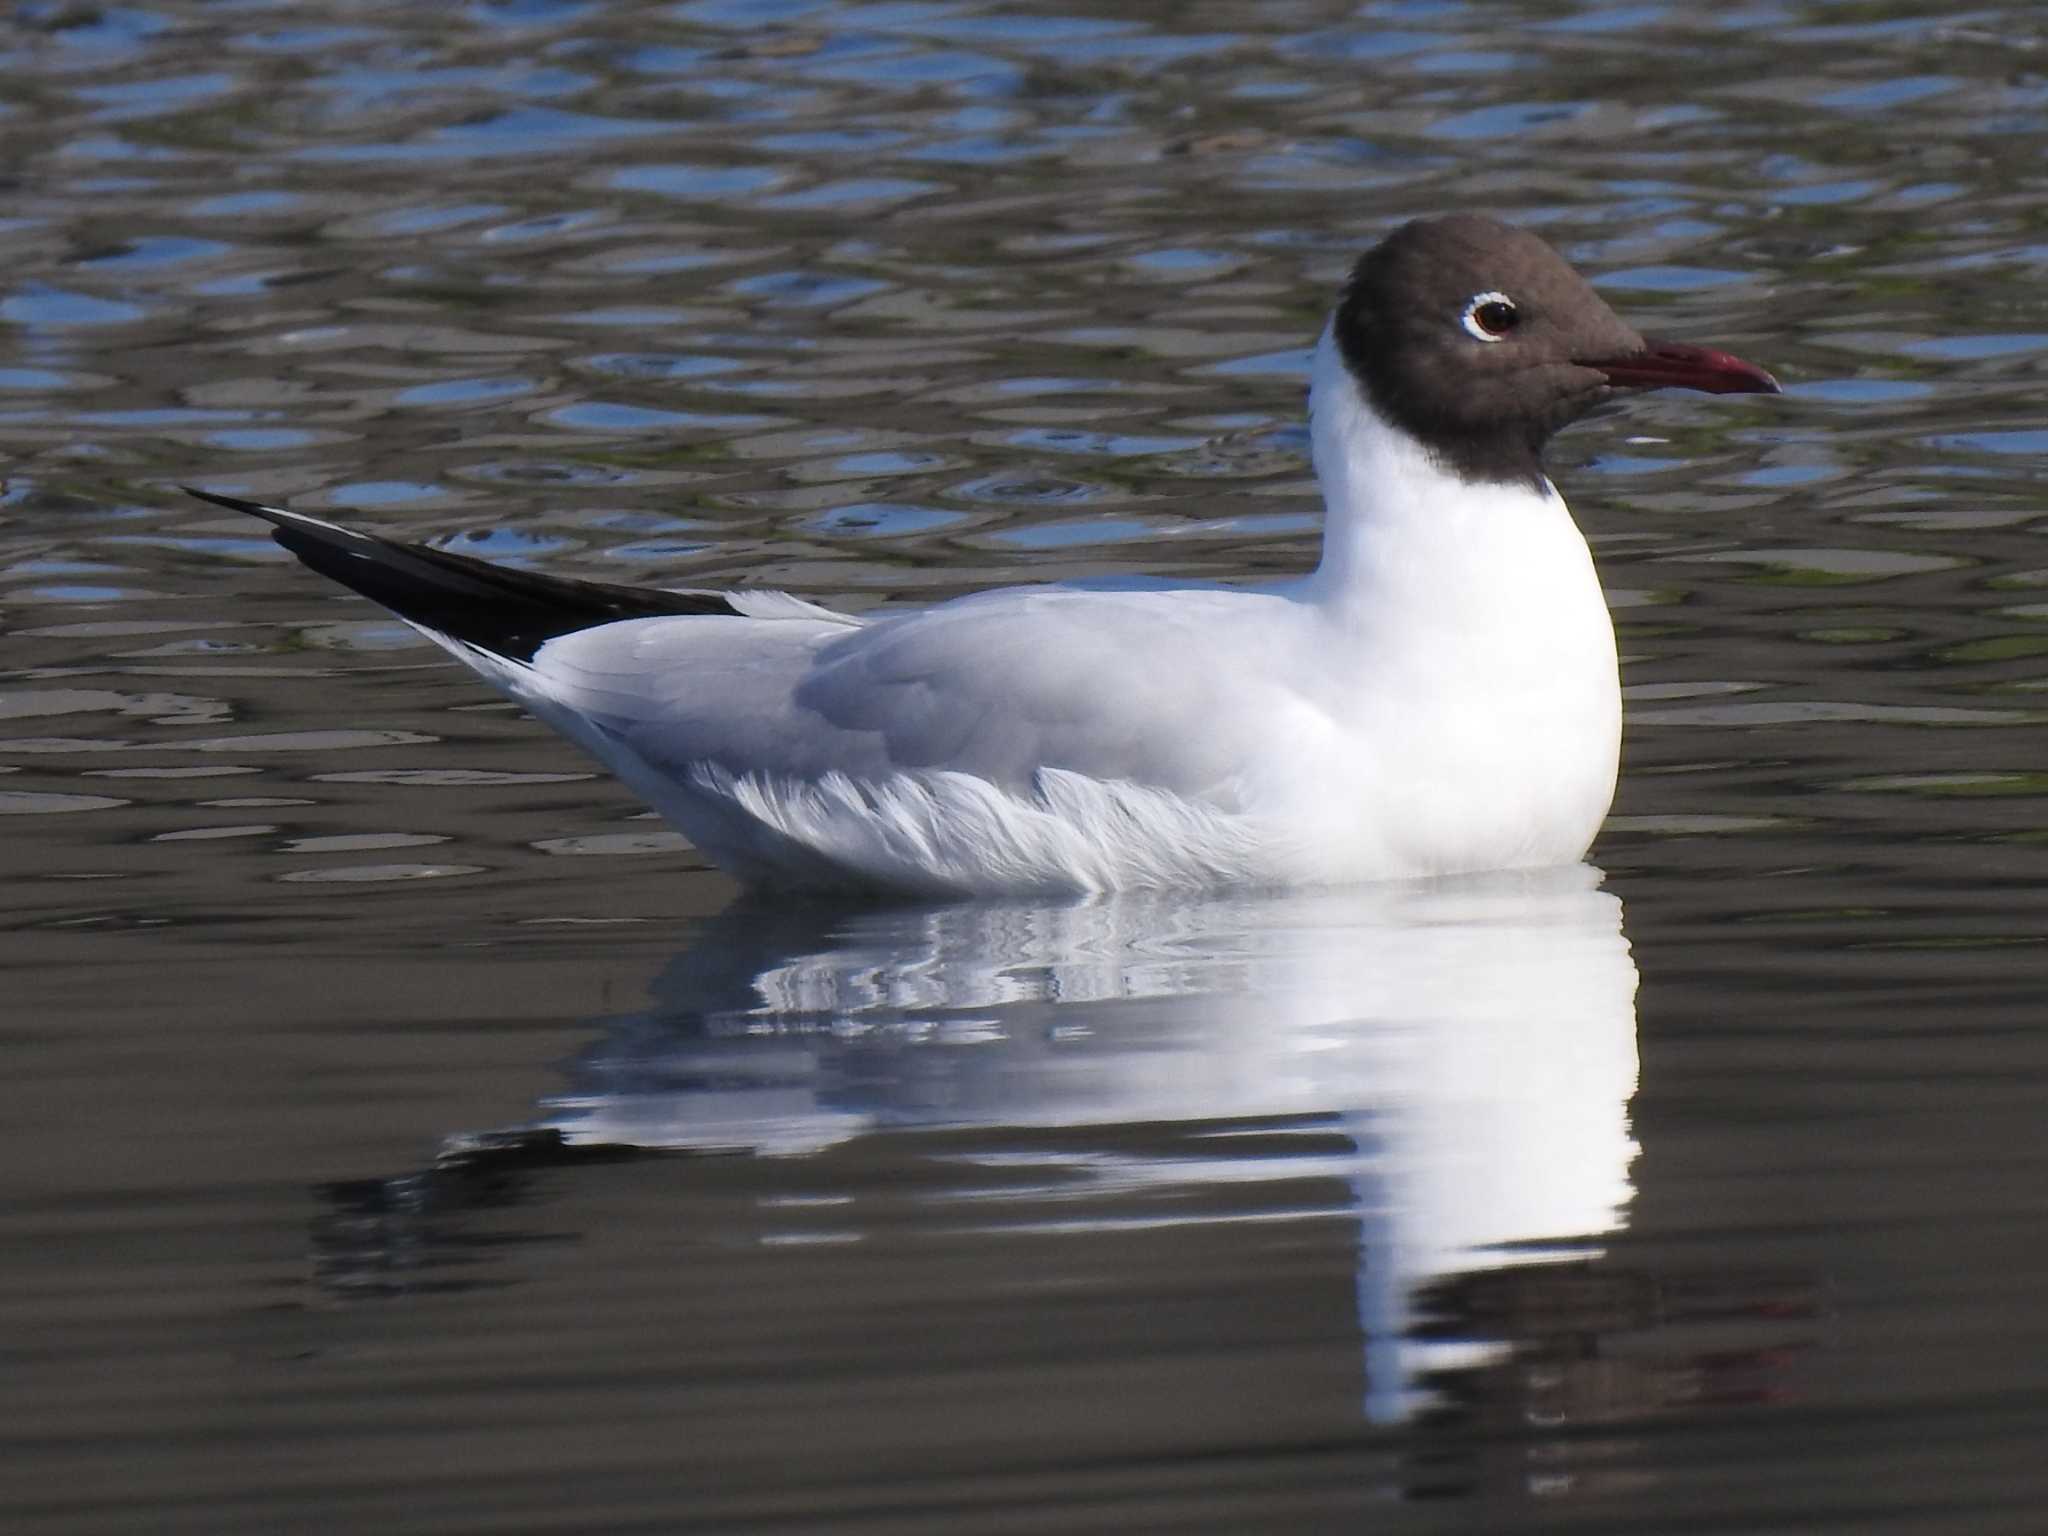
(1438, 696)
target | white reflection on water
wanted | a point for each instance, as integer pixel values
(1473, 1040)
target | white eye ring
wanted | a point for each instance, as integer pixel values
(1470, 319)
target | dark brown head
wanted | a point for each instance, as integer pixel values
(1480, 341)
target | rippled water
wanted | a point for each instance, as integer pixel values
(364, 1046)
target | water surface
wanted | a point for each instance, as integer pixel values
(410, 1134)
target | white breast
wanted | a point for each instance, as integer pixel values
(1469, 670)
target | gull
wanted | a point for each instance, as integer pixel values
(1438, 696)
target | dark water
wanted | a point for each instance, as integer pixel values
(406, 1134)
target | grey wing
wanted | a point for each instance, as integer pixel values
(1149, 687)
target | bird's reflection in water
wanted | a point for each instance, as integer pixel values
(1475, 1039)
(1468, 1047)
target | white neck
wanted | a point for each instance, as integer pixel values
(1478, 636)
(1390, 501)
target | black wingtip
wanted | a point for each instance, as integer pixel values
(508, 612)
(236, 504)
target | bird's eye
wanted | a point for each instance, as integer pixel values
(1490, 316)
